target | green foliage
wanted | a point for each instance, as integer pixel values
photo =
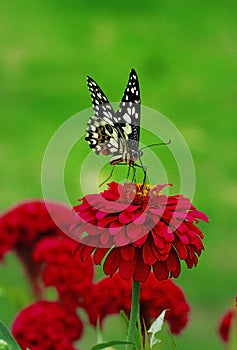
(4, 345)
(110, 343)
(10, 343)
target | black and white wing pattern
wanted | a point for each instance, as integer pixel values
(129, 112)
(102, 134)
(111, 133)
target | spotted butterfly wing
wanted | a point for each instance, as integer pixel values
(111, 133)
(130, 111)
(101, 127)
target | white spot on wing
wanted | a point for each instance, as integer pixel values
(127, 118)
(113, 142)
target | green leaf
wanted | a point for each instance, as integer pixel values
(124, 319)
(6, 335)
(155, 328)
(110, 343)
(174, 346)
(4, 345)
(146, 339)
(98, 333)
(138, 334)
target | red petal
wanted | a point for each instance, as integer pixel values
(147, 253)
(136, 232)
(84, 252)
(125, 217)
(105, 237)
(127, 252)
(138, 218)
(101, 214)
(115, 227)
(87, 215)
(176, 272)
(160, 270)
(172, 261)
(141, 241)
(183, 239)
(159, 241)
(99, 255)
(141, 272)
(196, 214)
(121, 239)
(112, 193)
(106, 220)
(112, 262)
(126, 269)
(159, 254)
(181, 249)
(162, 230)
(132, 208)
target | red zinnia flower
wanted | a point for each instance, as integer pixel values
(63, 270)
(25, 224)
(141, 229)
(226, 322)
(47, 325)
(111, 295)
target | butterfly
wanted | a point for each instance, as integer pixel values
(116, 133)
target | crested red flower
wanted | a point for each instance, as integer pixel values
(47, 325)
(157, 296)
(111, 295)
(23, 225)
(63, 270)
(138, 229)
(226, 323)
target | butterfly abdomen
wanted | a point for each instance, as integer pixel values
(128, 157)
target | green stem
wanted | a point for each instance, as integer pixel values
(133, 313)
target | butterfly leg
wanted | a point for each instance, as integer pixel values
(129, 168)
(134, 173)
(102, 183)
(144, 168)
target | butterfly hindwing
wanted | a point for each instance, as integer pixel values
(102, 135)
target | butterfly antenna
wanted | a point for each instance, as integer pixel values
(156, 144)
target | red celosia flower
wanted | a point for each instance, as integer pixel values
(47, 325)
(157, 296)
(111, 295)
(141, 228)
(63, 270)
(25, 224)
(226, 322)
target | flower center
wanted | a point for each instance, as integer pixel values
(143, 189)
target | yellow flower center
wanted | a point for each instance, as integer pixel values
(144, 189)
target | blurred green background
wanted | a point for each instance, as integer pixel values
(185, 54)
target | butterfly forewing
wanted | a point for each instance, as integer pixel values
(130, 111)
(101, 105)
